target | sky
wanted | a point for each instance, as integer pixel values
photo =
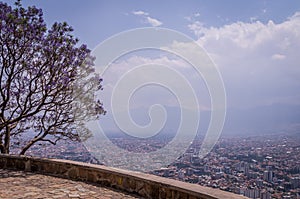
(96, 20)
(254, 45)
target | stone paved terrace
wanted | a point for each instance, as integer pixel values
(20, 184)
(54, 178)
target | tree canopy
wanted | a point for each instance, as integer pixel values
(48, 81)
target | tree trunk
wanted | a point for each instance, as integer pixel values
(1, 148)
(6, 140)
(1, 145)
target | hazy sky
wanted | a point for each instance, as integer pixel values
(255, 44)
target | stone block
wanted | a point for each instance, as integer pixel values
(72, 174)
(3, 163)
(91, 177)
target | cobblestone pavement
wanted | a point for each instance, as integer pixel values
(18, 184)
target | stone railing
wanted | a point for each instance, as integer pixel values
(144, 185)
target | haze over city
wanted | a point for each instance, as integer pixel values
(253, 44)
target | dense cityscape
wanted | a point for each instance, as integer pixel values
(256, 166)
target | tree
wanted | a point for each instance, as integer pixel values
(48, 83)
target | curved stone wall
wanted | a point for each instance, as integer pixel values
(145, 185)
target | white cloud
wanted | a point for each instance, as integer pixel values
(295, 16)
(193, 17)
(153, 22)
(249, 35)
(278, 57)
(147, 19)
(259, 61)
(140, 13)
(196, 27)
(119, 68)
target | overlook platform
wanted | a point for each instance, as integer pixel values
(30, 177)
(27, 185)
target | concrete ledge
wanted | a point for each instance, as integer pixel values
(145, 185)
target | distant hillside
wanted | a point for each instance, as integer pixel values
(260, 120)
(263, 120)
